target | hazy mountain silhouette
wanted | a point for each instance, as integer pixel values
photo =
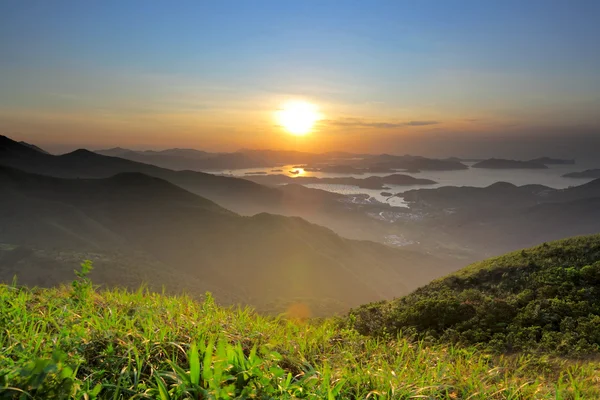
(372, 182)
(498, 163)
(231, 192)
(553, 161)
(187, 159)
(181, 159)
(239, 195)
(588, 173)
(260, 260)
(409, 163)
(503, 216)
(34, 147)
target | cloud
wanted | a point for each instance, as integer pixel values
(359, 123)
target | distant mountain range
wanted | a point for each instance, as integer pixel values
(458, 224)
(498, 163)
(372, 182)
(189, 243)
(553, 161)
(187, 159)
(196, 160)
(237, 194)
(537, 163)
(503, 216)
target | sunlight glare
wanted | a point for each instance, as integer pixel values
(298, 117)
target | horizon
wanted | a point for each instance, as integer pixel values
(461, 78)
(584, 161)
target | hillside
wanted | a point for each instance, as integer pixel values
(266, 260)
(546, 298)
(503, 217)
(76, 342)
(85, 164)
(239, 195)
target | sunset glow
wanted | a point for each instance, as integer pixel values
(298, 117)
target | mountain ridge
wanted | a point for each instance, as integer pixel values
(258, 259)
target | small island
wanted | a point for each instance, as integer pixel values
(553, 161)
(588, 173)
(335, 169)
(499, 163)
(372, 182)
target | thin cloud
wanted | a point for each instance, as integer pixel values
(359, 123)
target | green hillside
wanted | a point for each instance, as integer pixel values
(546, 298)
(76, 342)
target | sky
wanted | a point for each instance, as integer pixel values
(465, 78)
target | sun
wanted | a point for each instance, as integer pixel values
(298, 117)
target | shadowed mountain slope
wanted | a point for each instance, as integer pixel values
(265, 260)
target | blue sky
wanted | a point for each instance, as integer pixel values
(209, 74)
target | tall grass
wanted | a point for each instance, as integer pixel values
(77, 342)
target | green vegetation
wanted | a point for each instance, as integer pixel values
(546, 298)
(77, 342)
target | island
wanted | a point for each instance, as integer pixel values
(553, 161)
(335, 169)
(499, 163)
(588, 173)
(372, 182)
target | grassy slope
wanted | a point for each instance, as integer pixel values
(544, 298)
(74, 341)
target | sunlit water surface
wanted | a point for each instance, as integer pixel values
(477, 177)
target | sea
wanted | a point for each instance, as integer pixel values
(475, 177)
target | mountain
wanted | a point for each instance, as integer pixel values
(588, 173)
(497, 196)
(552, 161)
(34, 147)
(196, 160)
(348, 218)
(544, 298)
(115, 152)
(265, 260)
(498, 163)
(500, 195)
(503, 217)
(237, 194)
(187, 159)
(408, 163)
(372, 182)
(338, 162)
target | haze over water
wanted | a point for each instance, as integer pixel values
(476, 177)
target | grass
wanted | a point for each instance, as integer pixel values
(543, 299)
(82, 343)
